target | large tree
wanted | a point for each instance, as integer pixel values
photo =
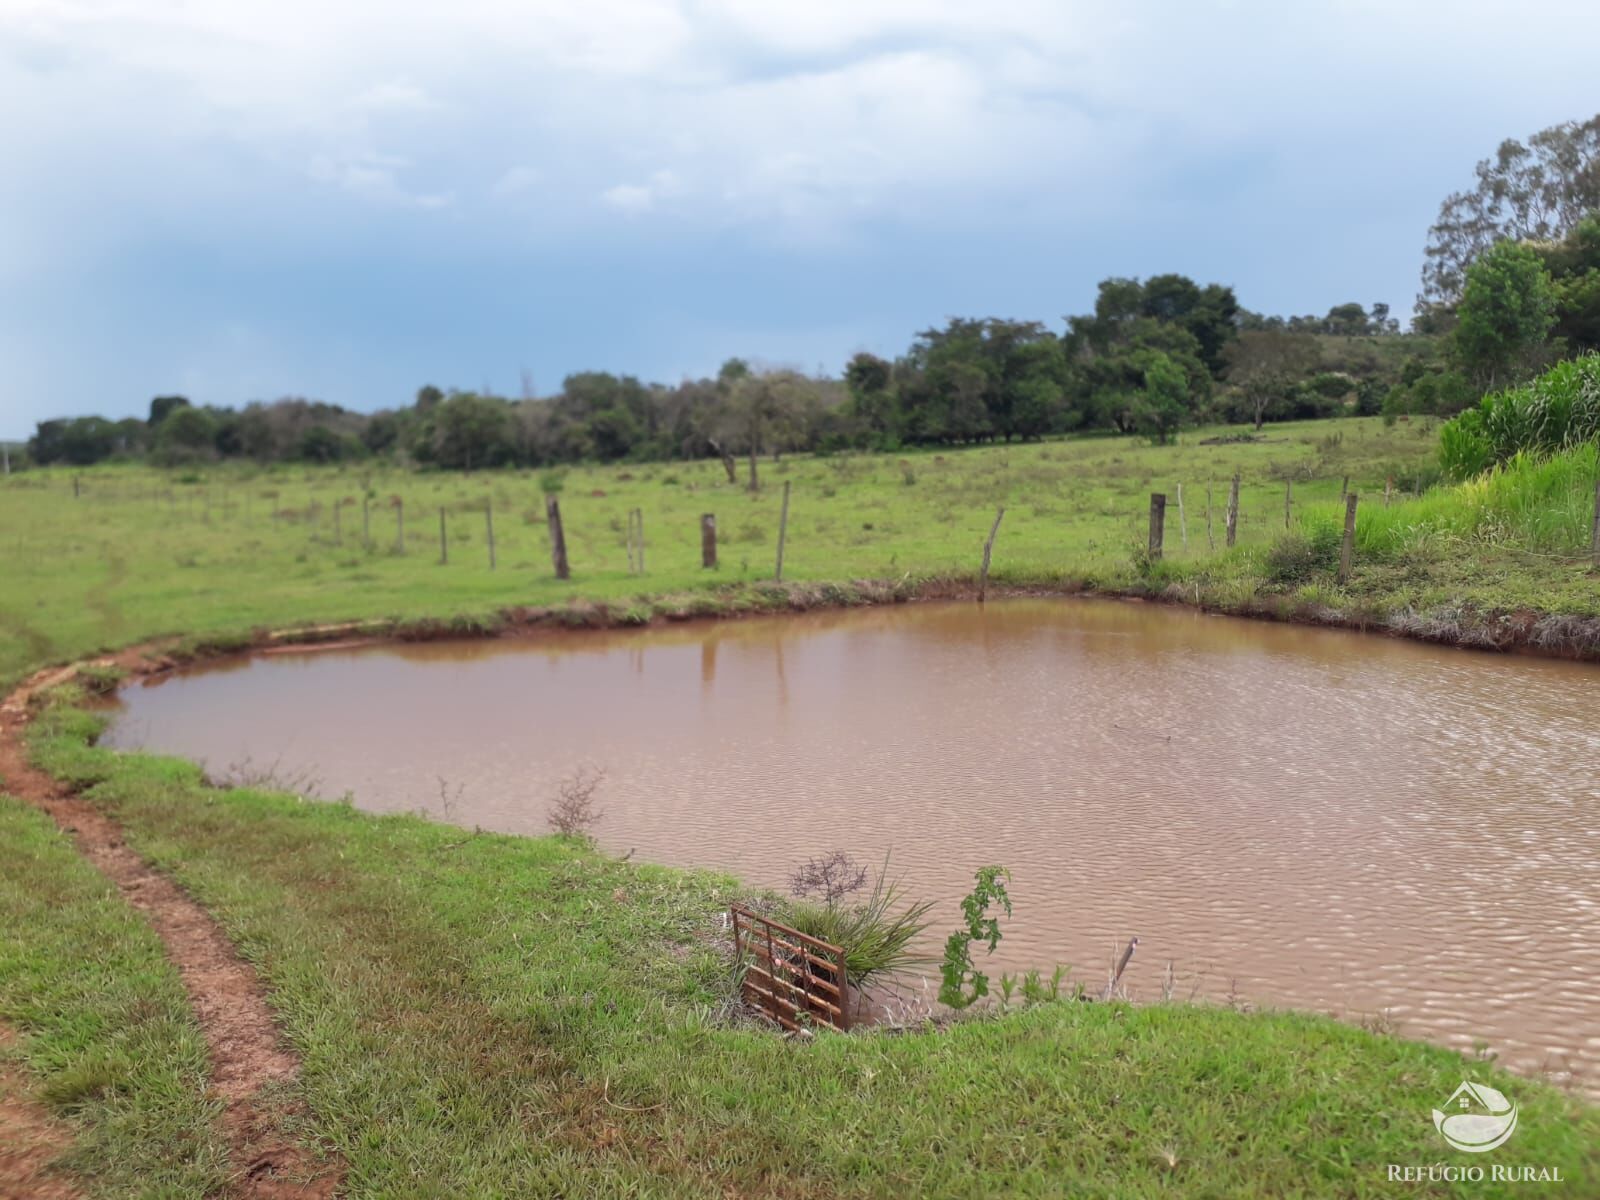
(1574, 266)
(1164, 405)
(1210, 314)
(1264, 364)
(466, 431)
(1539, 190)
(975, 380)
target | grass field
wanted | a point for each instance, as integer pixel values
(486, 1015)
(103, 558)
(113, 555)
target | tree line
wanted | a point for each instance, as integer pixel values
(1511, 284)
(1154, 356)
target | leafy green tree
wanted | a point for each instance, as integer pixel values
(467, 431)
(868, 379)
(187, 433)
(381, 431)
(1164, 406)
(78, 441)
(1214, 322)
(976, 380)
(1211, 315)
(1574, 266)
(1507, 310)
(162, 406)
(320, 444)
(760, 413)
(1347, 320)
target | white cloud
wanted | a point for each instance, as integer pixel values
(628, 198)
(394, 97)
(801, 114)
(515, 180)
(636, 199)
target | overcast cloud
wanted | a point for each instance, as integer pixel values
(241, 199)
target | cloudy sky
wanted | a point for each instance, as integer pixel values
(344, 199)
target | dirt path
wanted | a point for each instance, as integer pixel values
(30, 1140)
(248, 1057)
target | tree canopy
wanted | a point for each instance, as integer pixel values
(1538, 190)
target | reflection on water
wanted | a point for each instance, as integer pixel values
(1294, 816)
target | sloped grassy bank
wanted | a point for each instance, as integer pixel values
(481, 1014)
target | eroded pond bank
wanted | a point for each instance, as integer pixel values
(1291, 815)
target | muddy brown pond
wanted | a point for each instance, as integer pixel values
(1289, 816)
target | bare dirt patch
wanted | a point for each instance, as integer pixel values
(249, 1061)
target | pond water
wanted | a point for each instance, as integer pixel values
(1288, 816)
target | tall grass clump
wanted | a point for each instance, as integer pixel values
(1300, 554)
(1558, 411)
(1538, 502)
(875, 937)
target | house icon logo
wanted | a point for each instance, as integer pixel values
(1476, 1118)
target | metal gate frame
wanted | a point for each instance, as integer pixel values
(796, 979)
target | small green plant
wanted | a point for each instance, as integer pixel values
(552, 480)
(959, 973)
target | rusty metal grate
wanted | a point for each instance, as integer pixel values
(796, 979)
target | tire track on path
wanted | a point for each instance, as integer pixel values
(250, 1063)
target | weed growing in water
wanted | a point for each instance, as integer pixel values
(573, 813)
(266, 777)
(830, 878)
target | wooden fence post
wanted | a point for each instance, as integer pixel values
(988, 549)
(444, 544)
(708, 540)
(783, 524)
(1288, 500)
(488, 522)
(558, 540)
(1344, 489)
(1183, 520)
(1388, 486)
(1347, 547)
(399, 526)
(1233, 510)
(1158, 520)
